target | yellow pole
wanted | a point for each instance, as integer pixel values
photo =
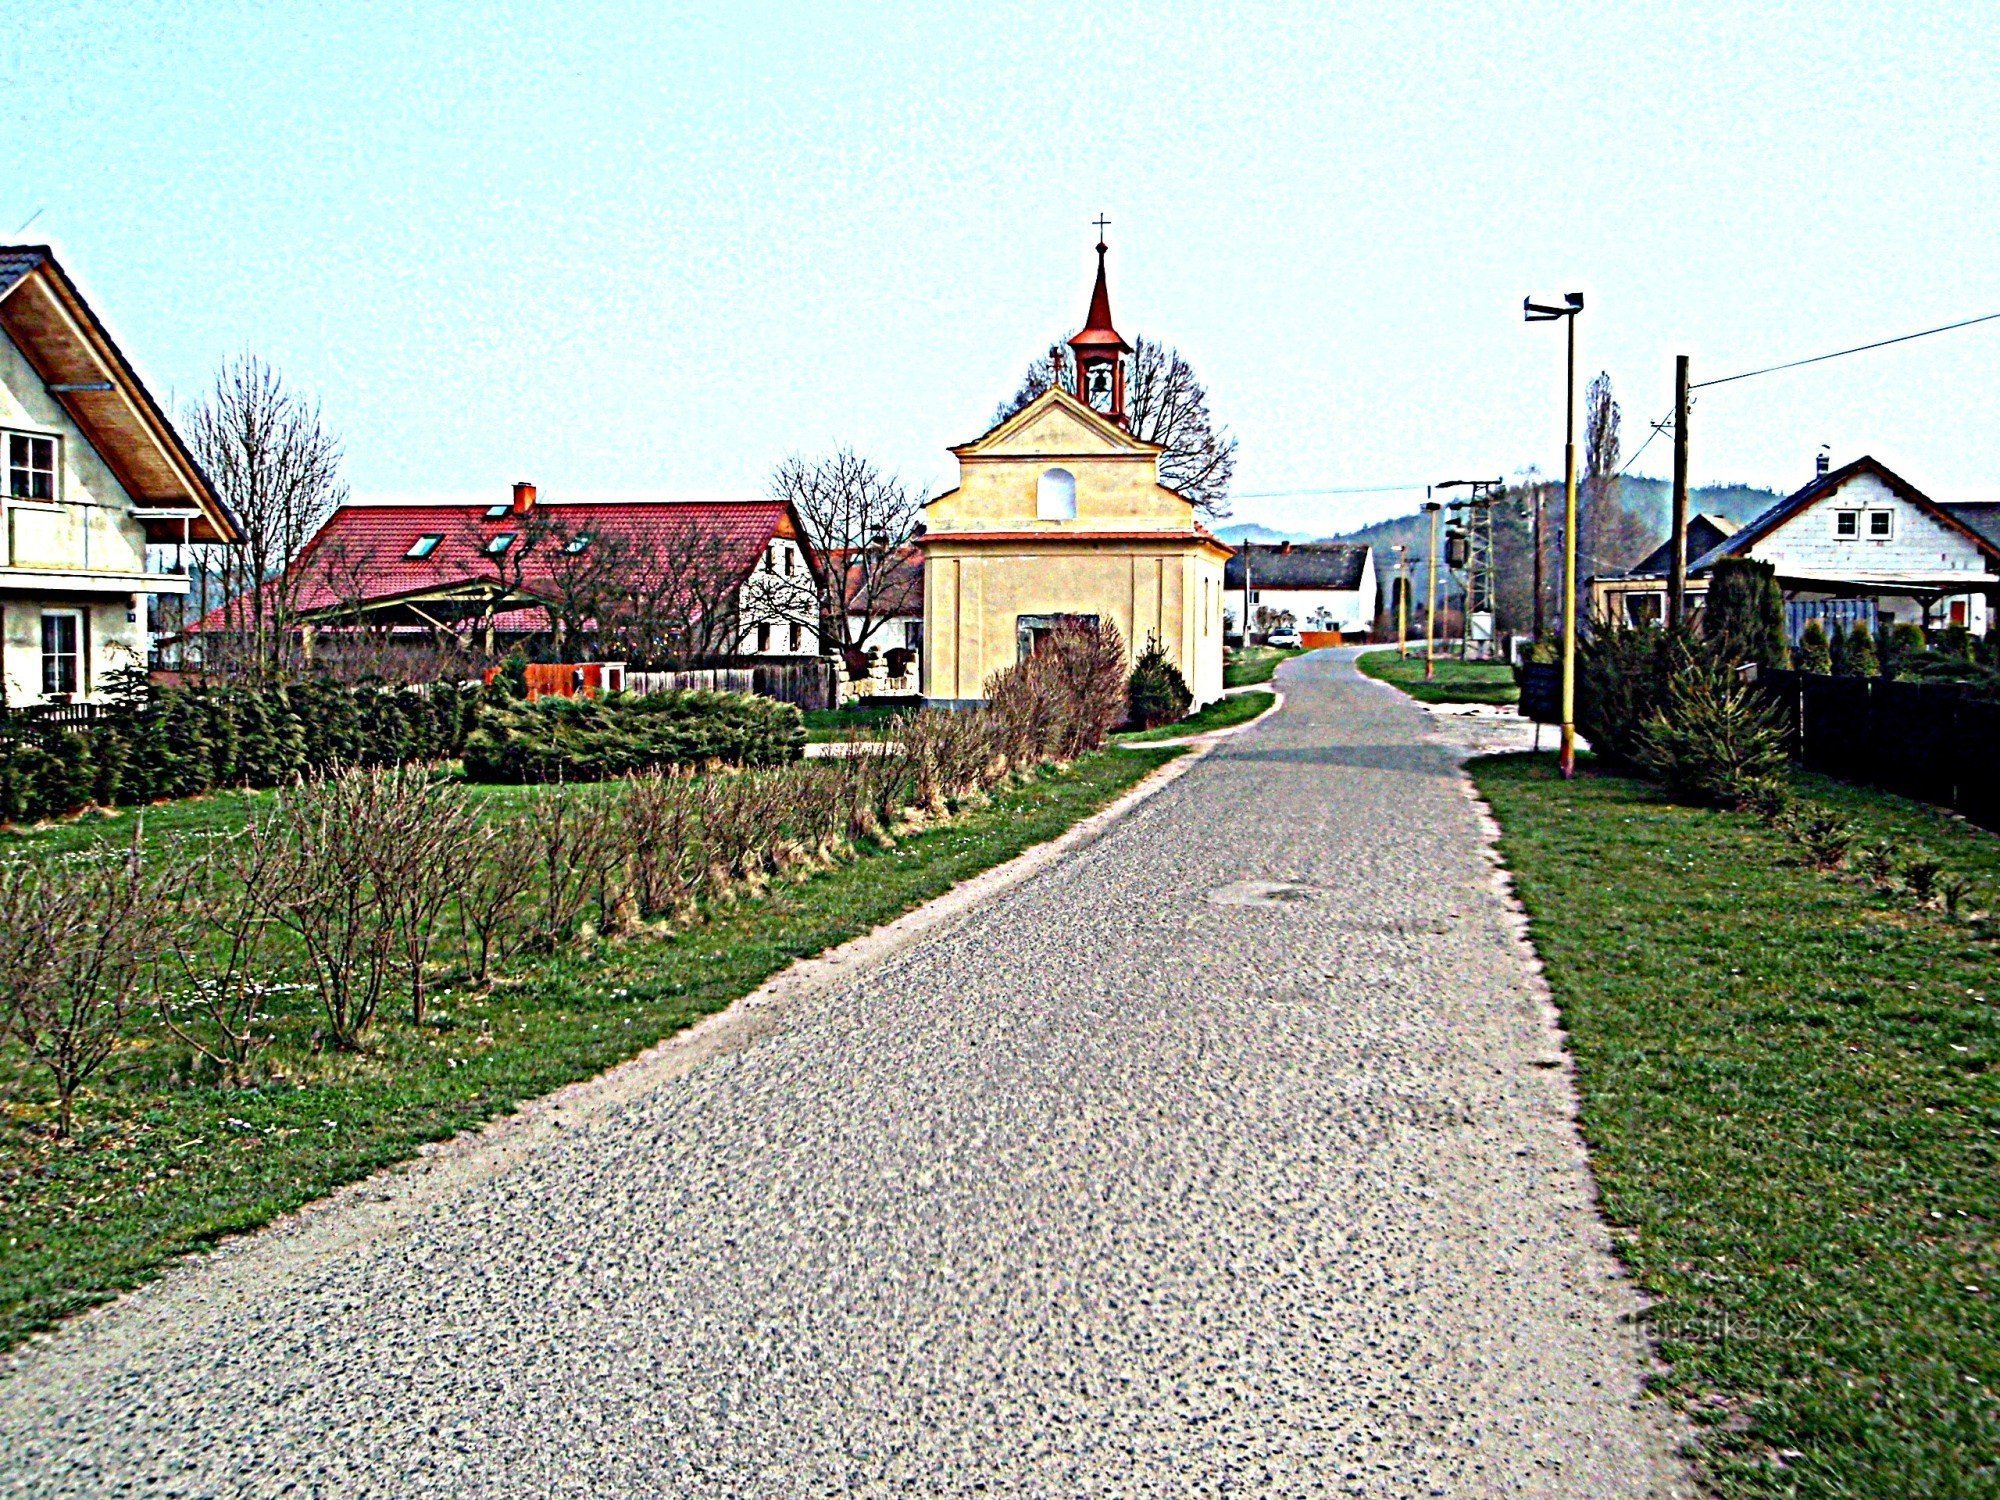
(1431, 596)
(1567, 760)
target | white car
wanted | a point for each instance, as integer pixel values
(1284, 640)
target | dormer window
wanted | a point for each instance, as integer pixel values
(576, 545)
(497, 547)
(500, 511)
(423, 546)
(1055, 496)
(31, 466)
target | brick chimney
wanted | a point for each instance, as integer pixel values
(524, 497)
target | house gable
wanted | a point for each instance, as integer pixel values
(1055, 440)
(77, 368)
(1860, 524)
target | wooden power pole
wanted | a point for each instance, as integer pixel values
(1677, 570)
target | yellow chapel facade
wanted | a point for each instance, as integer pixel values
(1059, 513)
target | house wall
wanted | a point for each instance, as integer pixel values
(1349, 609)
(781, 593)
(974, 598)
(1918, 545)
(76, 553)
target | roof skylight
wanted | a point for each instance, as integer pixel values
(499, 544)
(424, 545)
(495, 512)
(577, 543)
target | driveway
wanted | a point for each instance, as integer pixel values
(1228, 1155)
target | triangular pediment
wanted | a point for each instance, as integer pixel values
(1056, 425)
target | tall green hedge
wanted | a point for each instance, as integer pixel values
(594, 739)
(178, 742)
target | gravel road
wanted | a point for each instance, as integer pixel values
(1230, 1154)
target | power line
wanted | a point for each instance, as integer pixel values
(1643, 446)
(1840, 353)
(1352, 489)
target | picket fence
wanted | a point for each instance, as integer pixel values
(807, 684)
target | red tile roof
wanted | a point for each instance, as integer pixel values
(368, 546)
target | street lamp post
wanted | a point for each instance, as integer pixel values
(1431, 594)
(1541, 312)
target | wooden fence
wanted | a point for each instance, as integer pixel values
(1934, 741)
(809, 684)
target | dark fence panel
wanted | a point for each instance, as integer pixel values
(1932, 741)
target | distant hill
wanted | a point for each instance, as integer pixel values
(1652, 499)
(1263, 536)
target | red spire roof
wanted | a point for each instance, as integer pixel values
(1097, 330)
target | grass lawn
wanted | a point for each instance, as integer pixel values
(1253, 664)
(1791, 1091)
(162, 1165)
(1456, 681)
(824, 724)
(1218, 715)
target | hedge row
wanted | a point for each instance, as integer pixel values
(178, 742)
(620, 734)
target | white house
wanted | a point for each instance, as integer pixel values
(1863, 533)
(99, 493)
(1309, 585)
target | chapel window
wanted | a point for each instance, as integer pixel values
(1055, 496)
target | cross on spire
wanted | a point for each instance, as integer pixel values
(1102, 225)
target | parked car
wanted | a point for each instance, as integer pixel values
(1285, 640)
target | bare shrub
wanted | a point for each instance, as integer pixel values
(218, 940)
(420, 861)
(330, 897)
(580, 850)
(659, 817)
(77, 941)
(501, 866)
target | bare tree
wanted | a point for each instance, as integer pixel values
(277, 468)
(683, 598)
(1166, 404)
(858, 523)
(1609, 537)
(210, 991)
(76, 944)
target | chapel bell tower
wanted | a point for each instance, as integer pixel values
(1100, 350)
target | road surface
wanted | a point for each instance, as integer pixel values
(1224, 1156)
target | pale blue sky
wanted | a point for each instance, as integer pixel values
(636, 248)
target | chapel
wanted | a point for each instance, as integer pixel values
(1059, 512)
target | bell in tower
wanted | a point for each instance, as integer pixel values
(1100, 350)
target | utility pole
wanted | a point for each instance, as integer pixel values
(1567, 759)
(1402, 602)
(1677, 572)
(1431, 597)
(1246, 593)
(1538, 312)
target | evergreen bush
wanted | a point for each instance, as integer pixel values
(593, 739)
(1714, 738)
(1815, 653)
(1620, 676)
(1157, 693)
(1744, 617)
(1859, 659)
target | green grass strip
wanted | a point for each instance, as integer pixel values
(1456, 681)
(1256, 664)
(159, 1170)
(1221, 714)
(1790, 1087)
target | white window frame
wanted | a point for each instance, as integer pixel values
(1888, 532)
(54, 440)
(1843, 518)
(80, 657)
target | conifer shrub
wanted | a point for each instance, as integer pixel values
(1713, 738)
(1744, 618)
(1815, 653)
(1621, 675)
(1156, 692)
(1859, 659)
(619, 734)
